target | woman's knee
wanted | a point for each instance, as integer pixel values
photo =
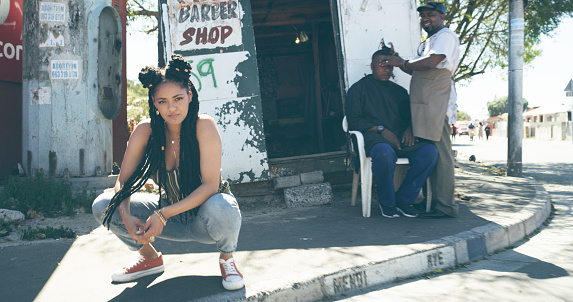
(100, 204)
(221, 207)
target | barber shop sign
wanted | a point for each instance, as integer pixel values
(205, 24)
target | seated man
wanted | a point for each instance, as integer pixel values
(380, 109)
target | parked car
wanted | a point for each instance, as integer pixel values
(464, 131)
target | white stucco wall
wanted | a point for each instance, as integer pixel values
(364, 22)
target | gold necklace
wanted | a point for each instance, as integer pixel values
(173, 144)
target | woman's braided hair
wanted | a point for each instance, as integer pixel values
(153, 161)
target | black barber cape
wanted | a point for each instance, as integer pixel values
(371, 103)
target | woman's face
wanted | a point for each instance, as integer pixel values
(172, 101)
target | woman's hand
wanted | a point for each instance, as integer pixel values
(153, 227)
(133, 226)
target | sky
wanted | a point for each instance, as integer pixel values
(544, 80)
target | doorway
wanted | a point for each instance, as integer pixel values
(298, 77)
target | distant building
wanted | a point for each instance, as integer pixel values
(498, 125)
(550, 122)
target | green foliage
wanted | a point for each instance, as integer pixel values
(499, 106)
(5, 229)
(137, 102)
(482, 26)
(47, 196)
(144, 13)
(463, 116)
(47, 232)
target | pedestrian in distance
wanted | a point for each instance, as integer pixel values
(433, 100)
(181, 151)
(471, 131)
(454, 132)
(380, 109)
(487, 131)
(480, 131)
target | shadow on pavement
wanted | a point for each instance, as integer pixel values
(550, 173)
(174, 289)
(29, 269)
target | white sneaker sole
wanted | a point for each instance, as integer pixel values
(120, 277)
(388, 216)
(233, 285)
(407, 215)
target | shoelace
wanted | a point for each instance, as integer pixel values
(139, 260)
(230, 268)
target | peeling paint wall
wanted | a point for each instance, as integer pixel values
(71, 85)
(363, 23)
(217, 38)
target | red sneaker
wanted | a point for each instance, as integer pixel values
(232, 278)
(142, 267)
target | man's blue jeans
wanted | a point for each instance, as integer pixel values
(422, 163)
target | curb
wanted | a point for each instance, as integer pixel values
(422, 258)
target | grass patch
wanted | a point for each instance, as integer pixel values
(43, 195)
(47, 232)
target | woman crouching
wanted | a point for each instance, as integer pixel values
(181, 151)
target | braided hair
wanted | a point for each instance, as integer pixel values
(177, 71)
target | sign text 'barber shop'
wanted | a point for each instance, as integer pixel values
(205, 24)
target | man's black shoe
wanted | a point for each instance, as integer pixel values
(421, 206)
(407, 210)
(389, 212)
(434, 214)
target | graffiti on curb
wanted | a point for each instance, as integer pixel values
(435, 260)
(350, 282)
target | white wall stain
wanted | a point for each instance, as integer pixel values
(242, 159)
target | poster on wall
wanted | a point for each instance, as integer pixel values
(11, 40)
(205, 24)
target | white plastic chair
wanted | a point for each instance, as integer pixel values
(366, 175)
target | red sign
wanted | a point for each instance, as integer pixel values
(11, 40)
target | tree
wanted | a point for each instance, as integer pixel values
(482, 26)
(143, 10)
(463, 116)
(499, 106)
(137, 102)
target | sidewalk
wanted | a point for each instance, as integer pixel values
(303, 254)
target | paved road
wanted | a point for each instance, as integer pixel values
(539, 269)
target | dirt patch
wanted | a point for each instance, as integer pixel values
(81, 224)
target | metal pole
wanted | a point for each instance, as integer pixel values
(515, 95)
(161, 62)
